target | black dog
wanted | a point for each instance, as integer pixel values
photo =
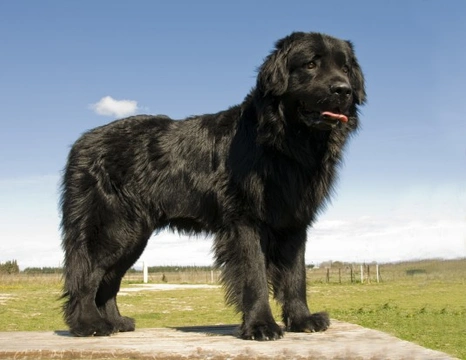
(255, 176)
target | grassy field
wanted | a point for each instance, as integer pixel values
(423, 302)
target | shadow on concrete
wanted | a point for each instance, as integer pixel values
(213, 330)
(64, 333)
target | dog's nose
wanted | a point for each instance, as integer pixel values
(341, 89)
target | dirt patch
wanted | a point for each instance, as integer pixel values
(163, 287)
(4, 298)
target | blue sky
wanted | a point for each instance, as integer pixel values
(402, 189)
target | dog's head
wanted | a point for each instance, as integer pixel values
(316, 77)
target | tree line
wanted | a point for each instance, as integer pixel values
(11, 267)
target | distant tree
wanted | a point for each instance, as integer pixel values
(326, 264)
(9, 267)
(43, 270)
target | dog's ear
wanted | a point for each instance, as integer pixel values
(357, 78)
(273, 74)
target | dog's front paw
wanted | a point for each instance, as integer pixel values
(100, 327)
(261, 331)
(314, 323)
(125, 324)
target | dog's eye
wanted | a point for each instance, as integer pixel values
(311, 65)
(345, 69)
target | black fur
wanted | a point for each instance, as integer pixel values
(255, 176)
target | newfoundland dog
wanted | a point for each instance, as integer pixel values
(255, 176)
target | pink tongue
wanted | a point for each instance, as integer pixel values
(341, 117)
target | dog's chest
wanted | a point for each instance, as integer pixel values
(294, 198)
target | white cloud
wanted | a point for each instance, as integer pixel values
(168, 248)
(108, 106)
(385, 239)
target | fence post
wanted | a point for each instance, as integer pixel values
(145, 273)
(351, 271)
(339, 275)
(377, 271)
(328, 275)
(362, 274)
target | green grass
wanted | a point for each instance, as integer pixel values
(428, 308)
(430, 314)
(178, 308)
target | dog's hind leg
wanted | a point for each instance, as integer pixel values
(287, 272)
(93, 277)
(102, 238)
(107, 305)
(82, 280)
(110, 285)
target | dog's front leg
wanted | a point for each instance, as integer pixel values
(239, 253)
(287, 271)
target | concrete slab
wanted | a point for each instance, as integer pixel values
(341, 341)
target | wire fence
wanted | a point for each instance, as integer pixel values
(342, 274)
(176, 277)
(329, 273)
